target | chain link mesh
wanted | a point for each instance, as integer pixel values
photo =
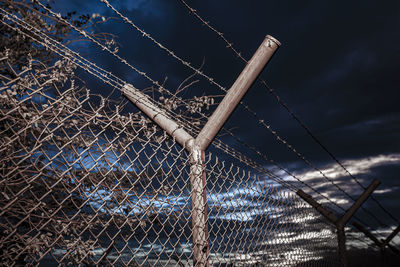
(85, 183)
(255, 222)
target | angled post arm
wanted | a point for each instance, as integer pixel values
(392, 235)
(357, 204)
(330, 215)
(235, 94)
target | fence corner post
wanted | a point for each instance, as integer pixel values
(341, 223)
(207, 134)
(199, 207)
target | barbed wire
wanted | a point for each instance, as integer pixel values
(273, 93)
(103, 47)
(48, 44)
(104, 79)
(114, 53)
(122, 60)
(171, 53)
(63, 51)
(197, 71)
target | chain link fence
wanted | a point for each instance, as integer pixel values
(84, 183)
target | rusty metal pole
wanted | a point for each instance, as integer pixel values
(199, 208)
(159, 116)
(207, 135)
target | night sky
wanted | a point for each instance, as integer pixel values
(337, 69)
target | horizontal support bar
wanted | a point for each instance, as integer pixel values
(159, 116)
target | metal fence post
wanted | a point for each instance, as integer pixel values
(207, 135)
(199, 208)
(340, 222)
(341, 236)
(197, 147)
(380, 243)
(234, 95)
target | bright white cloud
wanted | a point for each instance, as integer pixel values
(355, 167)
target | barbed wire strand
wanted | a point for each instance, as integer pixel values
(74, 57)
(105, 48)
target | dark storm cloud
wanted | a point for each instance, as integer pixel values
(337, 66)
